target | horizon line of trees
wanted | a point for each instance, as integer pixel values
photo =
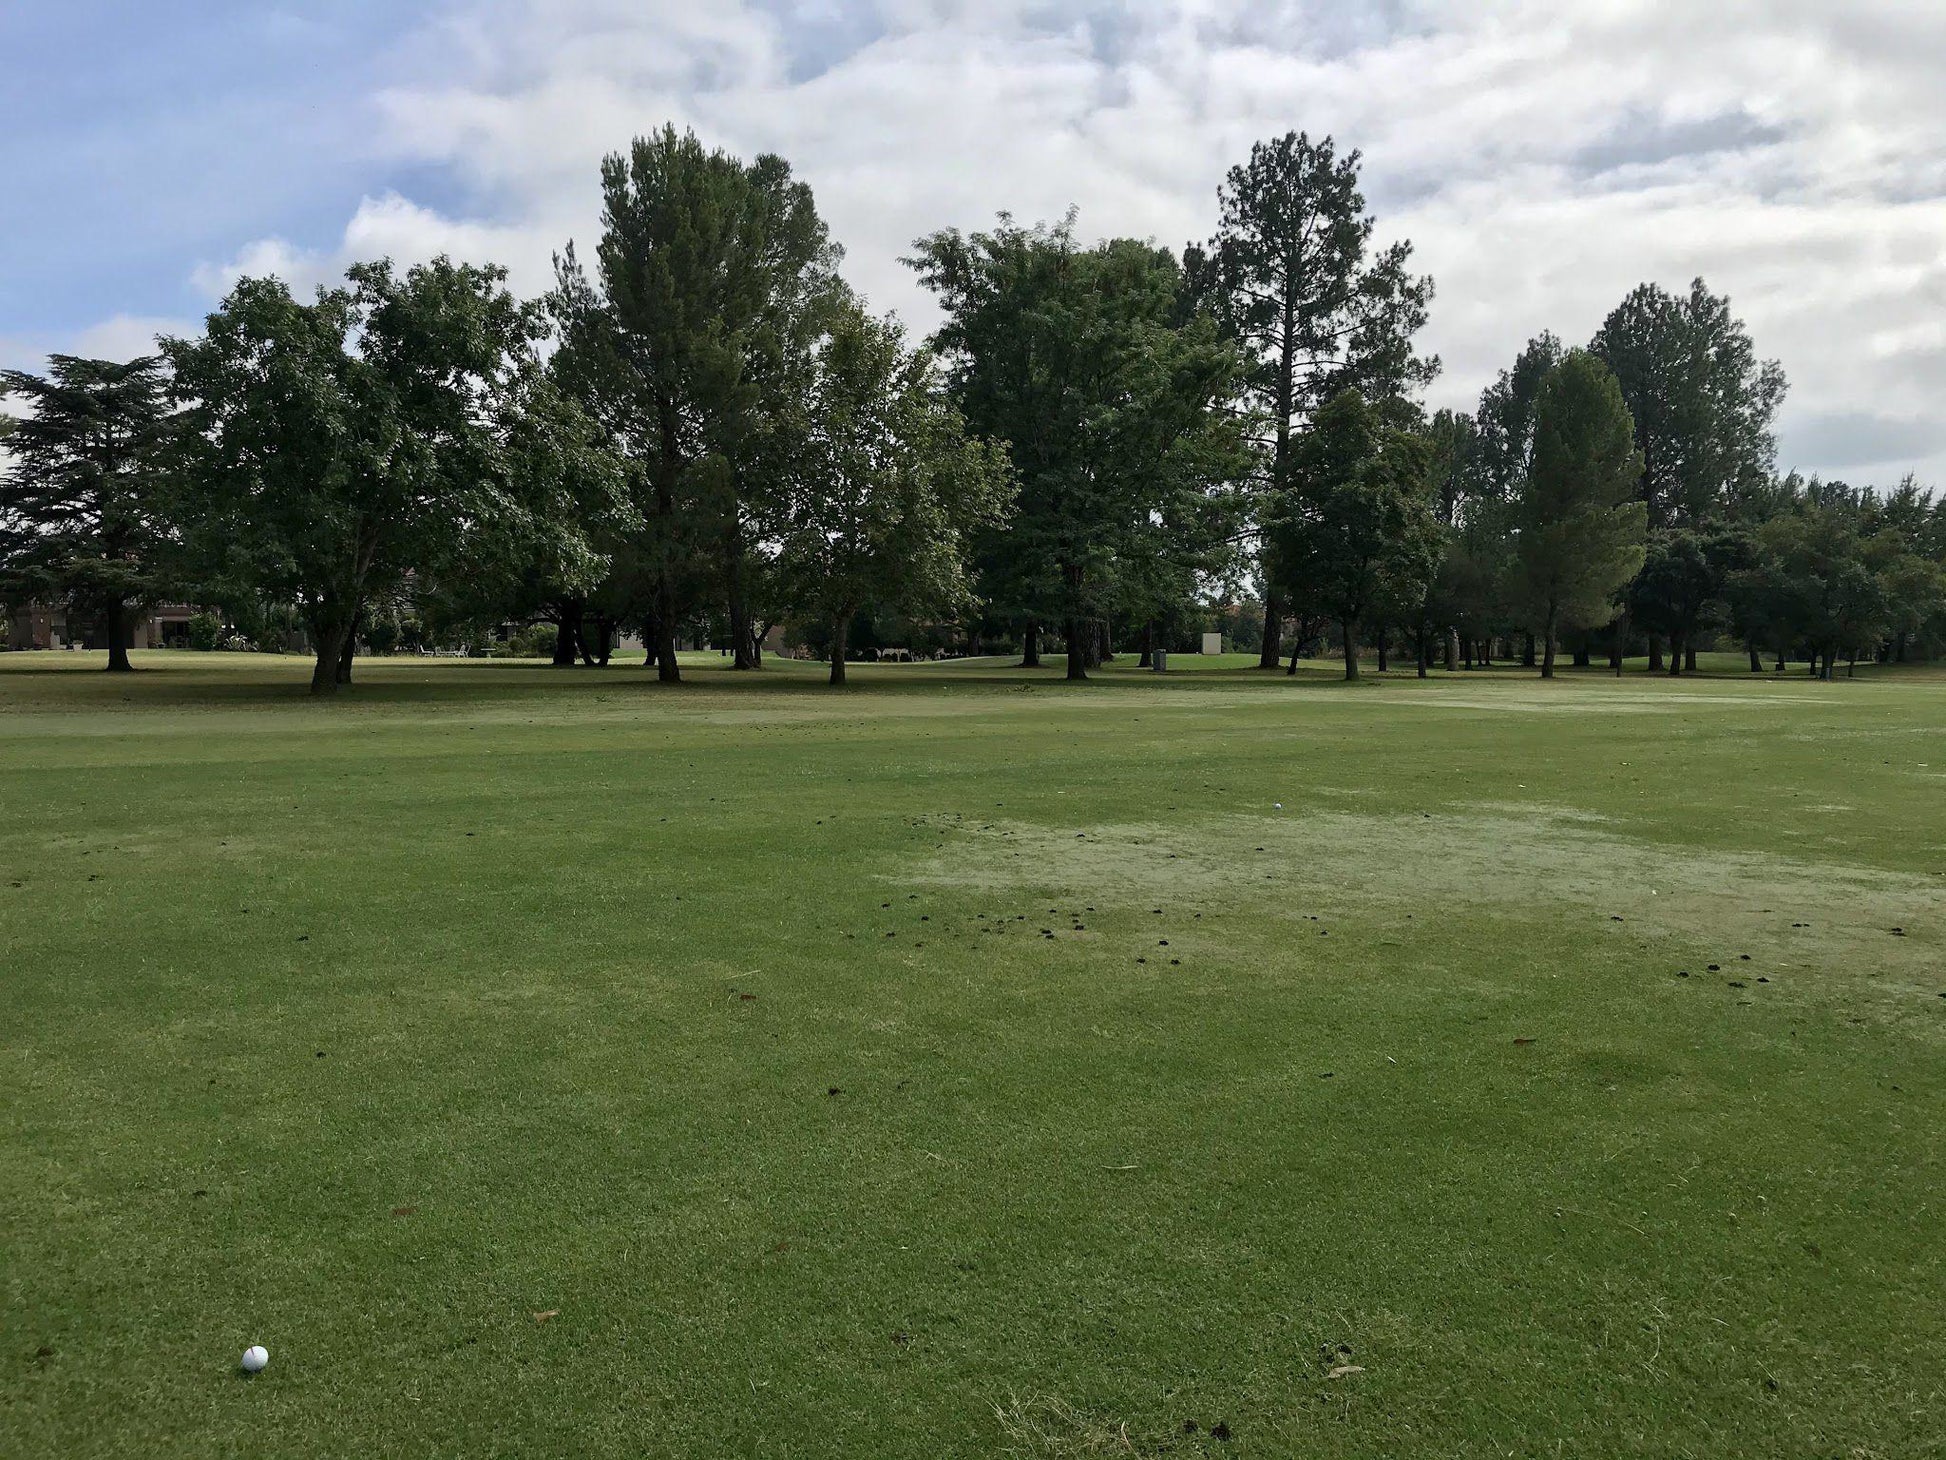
(701, 422)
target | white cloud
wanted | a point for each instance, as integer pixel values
(1544, 155)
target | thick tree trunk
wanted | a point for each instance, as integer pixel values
(1079, 633)
(1350, 628)
(1104, 643)
(1783, 661)
(667, 670)
(1547, 653)
(1292, 670)
(1655, 653)
(329, 641)
(1424, 650)
(349, 647)
(1583, 655)
(1273, 633)
(565, 638)
(1148, 647)
(1527, 652)
(840, 627)
(1452, 650)
(115, 619)
(1675, 657)
(1756, 659)
(1030, 647)
(1688, 654)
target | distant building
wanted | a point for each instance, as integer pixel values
(165, 626)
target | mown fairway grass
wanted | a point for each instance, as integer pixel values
(721, 1025)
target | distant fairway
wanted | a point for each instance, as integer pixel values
(966, 1063)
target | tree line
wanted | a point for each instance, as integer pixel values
(701, 424)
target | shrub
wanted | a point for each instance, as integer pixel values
(205, 631)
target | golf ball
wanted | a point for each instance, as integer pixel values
(254, 1358)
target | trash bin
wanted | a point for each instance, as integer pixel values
(1160, 659)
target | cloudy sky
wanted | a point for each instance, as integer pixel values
(1543, 155)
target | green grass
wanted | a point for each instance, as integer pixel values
(720, 1023)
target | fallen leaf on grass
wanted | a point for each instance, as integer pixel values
(1344, 1369)
(405, 1211)
(1524, 1041)
(549, 1313)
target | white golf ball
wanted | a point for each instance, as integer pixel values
(1278, 807)
(254, 1358)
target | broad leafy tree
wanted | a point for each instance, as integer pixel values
(1359, 533)
(887, 489)
(688, 341)
(336, 448)
(1579, 527)
(1115, 406)
(81, 517)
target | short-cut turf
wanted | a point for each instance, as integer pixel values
(967, 1063)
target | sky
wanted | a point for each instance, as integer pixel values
(1543, 156)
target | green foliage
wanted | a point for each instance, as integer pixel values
(333, 448)
(888, 486)
(1357, 533)
(205, 631)
(1291, 276)
(1114, 404)
(689, 344)
(81, 521)
(1579, 529)
(1701, 401)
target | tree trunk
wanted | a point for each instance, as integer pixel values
(1079, 632)
(1350, 628)
(1527, 652)
(1384, 649)
(1452, 650)
(1583, 655)
(1292, 671)
(565, 637)
(738, 594)
(667, 670)
(840, 627)
(1675, 656)
(1104, 644)
(1688, 654)
(329, 639)
(1148, 646)
(1756, 659)
(1655, 653)
(1547, 653)
(1273, 633)
(349, 647)
(1424, 648)
(1030, 647)
(116, 619)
